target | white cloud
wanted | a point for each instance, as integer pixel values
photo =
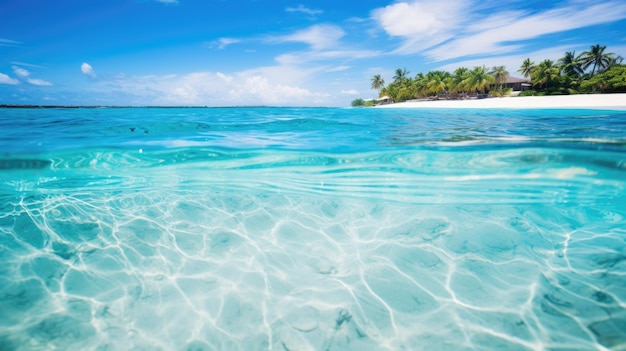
(38, 82)
(319, 36)
(494, 34)
(221, 43)
(4, 79)
(303, 9)
(337, 68)
(224, 77)
(24, 74)
(422, 23)
(87, 70)
(168, 1)
(20, 72)
(350, 92)
(324, 45)
(26, 64)
(260, 88)
(295, 58)
(444, 30)
(284, 74)
(218, 89)
(420, 17)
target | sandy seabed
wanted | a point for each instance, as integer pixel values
(586, 101)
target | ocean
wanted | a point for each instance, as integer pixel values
(312, 229)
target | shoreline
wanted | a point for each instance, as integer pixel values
(579, 101)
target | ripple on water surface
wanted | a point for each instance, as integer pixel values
(320, 229)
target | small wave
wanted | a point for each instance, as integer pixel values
(485, 175)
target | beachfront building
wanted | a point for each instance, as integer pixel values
(517, 84)
(384, 100)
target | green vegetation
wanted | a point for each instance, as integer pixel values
(435, 84)
(572, 74)
(358, 102)
(593, 71)
(612, 80)
(362, 103)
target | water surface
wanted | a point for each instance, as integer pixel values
(312, 229)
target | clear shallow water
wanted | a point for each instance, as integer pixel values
(311, 229)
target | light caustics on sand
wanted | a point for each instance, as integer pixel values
(490, 246)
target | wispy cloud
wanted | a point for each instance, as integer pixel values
(325, 49)
(20, 72)
(301, 8)
(5, 79)
(319, 36)
(501, 36)
(454, 29)
(295, 58)
(221, 43)
(168, 1)
(39, 82)
(337, 68)
(9, 42)
(87, 70)
(26, 64)
(25, 75)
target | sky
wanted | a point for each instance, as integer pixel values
(274, 52)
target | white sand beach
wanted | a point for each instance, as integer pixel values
(585, 101)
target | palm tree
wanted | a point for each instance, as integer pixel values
(404, 93)
(377, 82)
(597, 58)
(570, 64)
(401, 74)
(420, 83)
(436, 82)
(617, 60)
(390, 90)
(500, 74)
(478, 79)
(545, 74)
(455, 81)
(526, 68)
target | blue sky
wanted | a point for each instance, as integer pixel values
(281, 53)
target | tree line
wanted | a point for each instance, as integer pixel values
(593, 71)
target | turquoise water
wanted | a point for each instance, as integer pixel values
(312, 229)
